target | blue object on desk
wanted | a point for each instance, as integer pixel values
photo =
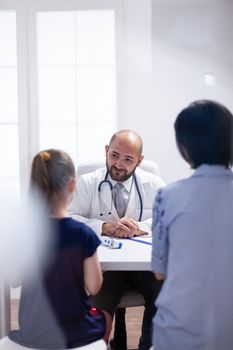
(139, 240)
(111, 243)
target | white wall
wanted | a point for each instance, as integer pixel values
(171, 46)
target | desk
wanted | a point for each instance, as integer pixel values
(132, 256)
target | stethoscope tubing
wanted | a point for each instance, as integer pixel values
(106, 181)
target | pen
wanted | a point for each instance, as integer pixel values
(139, 240)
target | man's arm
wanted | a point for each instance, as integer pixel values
(122, 228)
(81, 209)
(85, 208)
(150, 191)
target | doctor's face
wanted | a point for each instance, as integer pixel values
(122, 158)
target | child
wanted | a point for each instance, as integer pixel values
(54, 309)
(193, 237)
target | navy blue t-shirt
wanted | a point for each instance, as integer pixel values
(54, 307)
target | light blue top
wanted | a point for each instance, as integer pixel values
(193, 245)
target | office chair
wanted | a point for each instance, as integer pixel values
(131, 298)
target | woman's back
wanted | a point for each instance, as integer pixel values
(197, 295)
(193, 237)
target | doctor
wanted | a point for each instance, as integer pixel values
(94, 205)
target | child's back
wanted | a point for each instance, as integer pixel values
(54, 309)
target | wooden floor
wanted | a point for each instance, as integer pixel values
(133, 321)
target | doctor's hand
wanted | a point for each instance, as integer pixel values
(123, 228)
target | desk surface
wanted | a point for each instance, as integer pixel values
(132, 256)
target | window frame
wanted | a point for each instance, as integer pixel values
(27, 74)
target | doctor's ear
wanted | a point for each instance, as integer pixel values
(106, 149)
(140, 158)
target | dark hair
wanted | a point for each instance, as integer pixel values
(204, 132)
(50, 172)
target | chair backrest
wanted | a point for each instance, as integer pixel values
(88, 167)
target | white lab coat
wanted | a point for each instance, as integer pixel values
(88, 204)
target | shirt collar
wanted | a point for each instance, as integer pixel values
(206, 169)
(127, 184)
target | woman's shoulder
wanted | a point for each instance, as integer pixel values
(76, 231)
(177, 185)
(174, 192)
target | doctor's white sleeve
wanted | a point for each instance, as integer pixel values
(146, 225)
(80, 207)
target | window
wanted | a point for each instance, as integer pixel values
(58, 81)
(9, 141)
(77, 83)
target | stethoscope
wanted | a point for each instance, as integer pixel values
(107, 182)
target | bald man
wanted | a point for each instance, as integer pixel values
(94, 204)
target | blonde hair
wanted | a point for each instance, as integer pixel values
(51, 171)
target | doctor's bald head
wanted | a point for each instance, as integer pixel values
(129, 137)
(123, 154)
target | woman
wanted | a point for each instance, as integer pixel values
(193, 237)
